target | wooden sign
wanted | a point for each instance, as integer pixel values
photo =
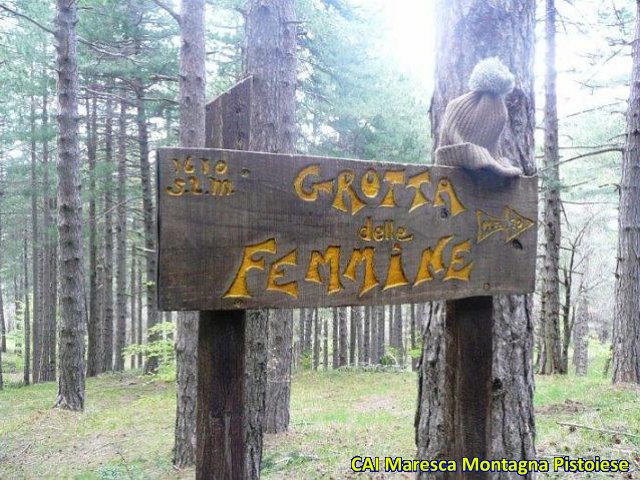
(241, 230)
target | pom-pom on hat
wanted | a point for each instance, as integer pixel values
(473, 122)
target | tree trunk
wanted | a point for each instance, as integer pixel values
(94, 345)
(353, 335)
(149, 225)
(325, 345)
(121, 241)
(35, 253)
(399, 334)
(72, 331)
(343, 326)
(27, 319)
(316, 339)
(463, 40)
(278, 373)
(581, 335)
(3, 325)
(626, 329)
(366, 340)
(271, 59)
(356, 315)
(334, 334)
(48, 337)
(380, 311)
(107, 302)
(132, 305)
(551, 360)
(192, 134)
(140, 302)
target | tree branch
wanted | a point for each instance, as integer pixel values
(27, 18)
(167, 9)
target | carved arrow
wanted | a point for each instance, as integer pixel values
(511, 222)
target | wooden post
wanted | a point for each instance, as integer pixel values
(221, 417)
(469, 328)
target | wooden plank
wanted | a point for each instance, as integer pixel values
(222, 416)
(221, 411)
(244, 230)
(469, 357)
(228, 118)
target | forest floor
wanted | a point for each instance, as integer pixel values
(126, 431)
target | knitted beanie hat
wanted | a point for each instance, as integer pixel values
(473, 122)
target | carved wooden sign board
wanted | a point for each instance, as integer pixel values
(241, 230)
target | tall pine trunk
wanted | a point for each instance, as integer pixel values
(94, 345)
(27, 319)
(149, 225)
(121, 241)
(468, 31)
(343, 336)
(551, 360)
(192, 134)
(72, 331)
(271, 59)
(107, 296)
(35, 253)
(626, 326)
(48, 335)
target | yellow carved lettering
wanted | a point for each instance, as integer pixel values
(275, 273)
(188, 165)
(238, 288)
(419, 199)
(370, 183)
(331, 258)
(464, 272)
(392, 177)
(395, 274)
(445, 186)
(345, 179)
(194, 184)
(204, 163)
(177, 189)
(431, 260)
(220, 188)
(358, 256)
(311, 195)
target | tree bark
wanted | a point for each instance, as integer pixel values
(107, 297)
(356, 317)
(325, 342)
(3, 325)
(366, 339)
(121, 241)
(278, 373)
(48, 342)
(551, 360)
(132, 305)
(35, 253)
(581, 335)
(462, 40)
(334, 335)
(94, 345)
(140, 302)
(626, 327)
(72, 331)
(27, 319)
(271, 59)
(149, 225)
(192, 134)
(343, 336)
(316, 339)
(380, 313)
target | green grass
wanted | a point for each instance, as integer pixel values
(126, 431)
